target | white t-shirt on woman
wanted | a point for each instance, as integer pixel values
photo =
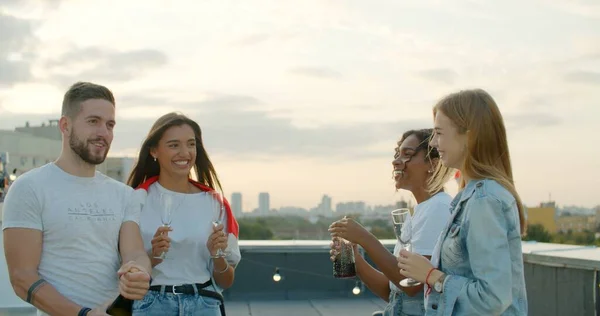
(428, 221)
(188, 258)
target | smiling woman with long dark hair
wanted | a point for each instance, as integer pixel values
(189, 278)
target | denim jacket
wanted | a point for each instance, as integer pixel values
(401, 304)
(480, 252)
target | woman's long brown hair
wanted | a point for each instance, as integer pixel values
(145, 166)
(476, 113)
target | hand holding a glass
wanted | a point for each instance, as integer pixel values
(161, 241)
(403, 230)
(217, 241)
(415, 266)
(348, 229)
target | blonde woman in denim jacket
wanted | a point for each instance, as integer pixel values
(477, 266)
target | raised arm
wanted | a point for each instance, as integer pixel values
(385, 261)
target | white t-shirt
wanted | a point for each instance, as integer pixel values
(80, 219)
(187, 260)
(428, 221)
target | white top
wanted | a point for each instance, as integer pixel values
(428, 221)
(188, 258)
(80, 219)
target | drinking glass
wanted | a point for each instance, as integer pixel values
(344, 262)
(218, 207)
(403, 230)
(166, 210)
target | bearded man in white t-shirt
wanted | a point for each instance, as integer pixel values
(71, 234)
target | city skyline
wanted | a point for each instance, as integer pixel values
(329, 204)
(311, 98)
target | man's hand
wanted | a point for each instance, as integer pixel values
(134, 281)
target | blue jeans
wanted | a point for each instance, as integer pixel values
(400, 304)
(164, 304)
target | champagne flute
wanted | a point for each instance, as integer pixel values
(403, 230)
(218, 204)
(166, 209)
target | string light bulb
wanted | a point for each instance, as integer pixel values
(356, 289)
(276, 275)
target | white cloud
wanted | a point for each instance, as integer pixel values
(327, 70)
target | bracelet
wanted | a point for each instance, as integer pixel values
(34, 288)
(83, 311)
(428, 275)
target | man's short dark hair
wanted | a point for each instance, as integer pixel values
(81, 92)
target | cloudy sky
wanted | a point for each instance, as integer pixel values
(302, 98)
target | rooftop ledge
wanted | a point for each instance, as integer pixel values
(547, 254)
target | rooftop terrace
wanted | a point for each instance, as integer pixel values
(561, 280)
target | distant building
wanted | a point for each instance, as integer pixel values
(48, 131)
(293, 210)
(576, 223)
(324, 208)
(549, 217)
(117, 168)
(29, 147)
(236, 204)
(355, 207)
(544, 215)
(264, 203)
(548, 204)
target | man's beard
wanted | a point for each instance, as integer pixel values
(82, 149)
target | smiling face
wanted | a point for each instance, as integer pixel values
(176, 151)
(450, 143)
(91, 131)
(411, 167)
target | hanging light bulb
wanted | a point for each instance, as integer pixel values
(276, 275)
(356, 289)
